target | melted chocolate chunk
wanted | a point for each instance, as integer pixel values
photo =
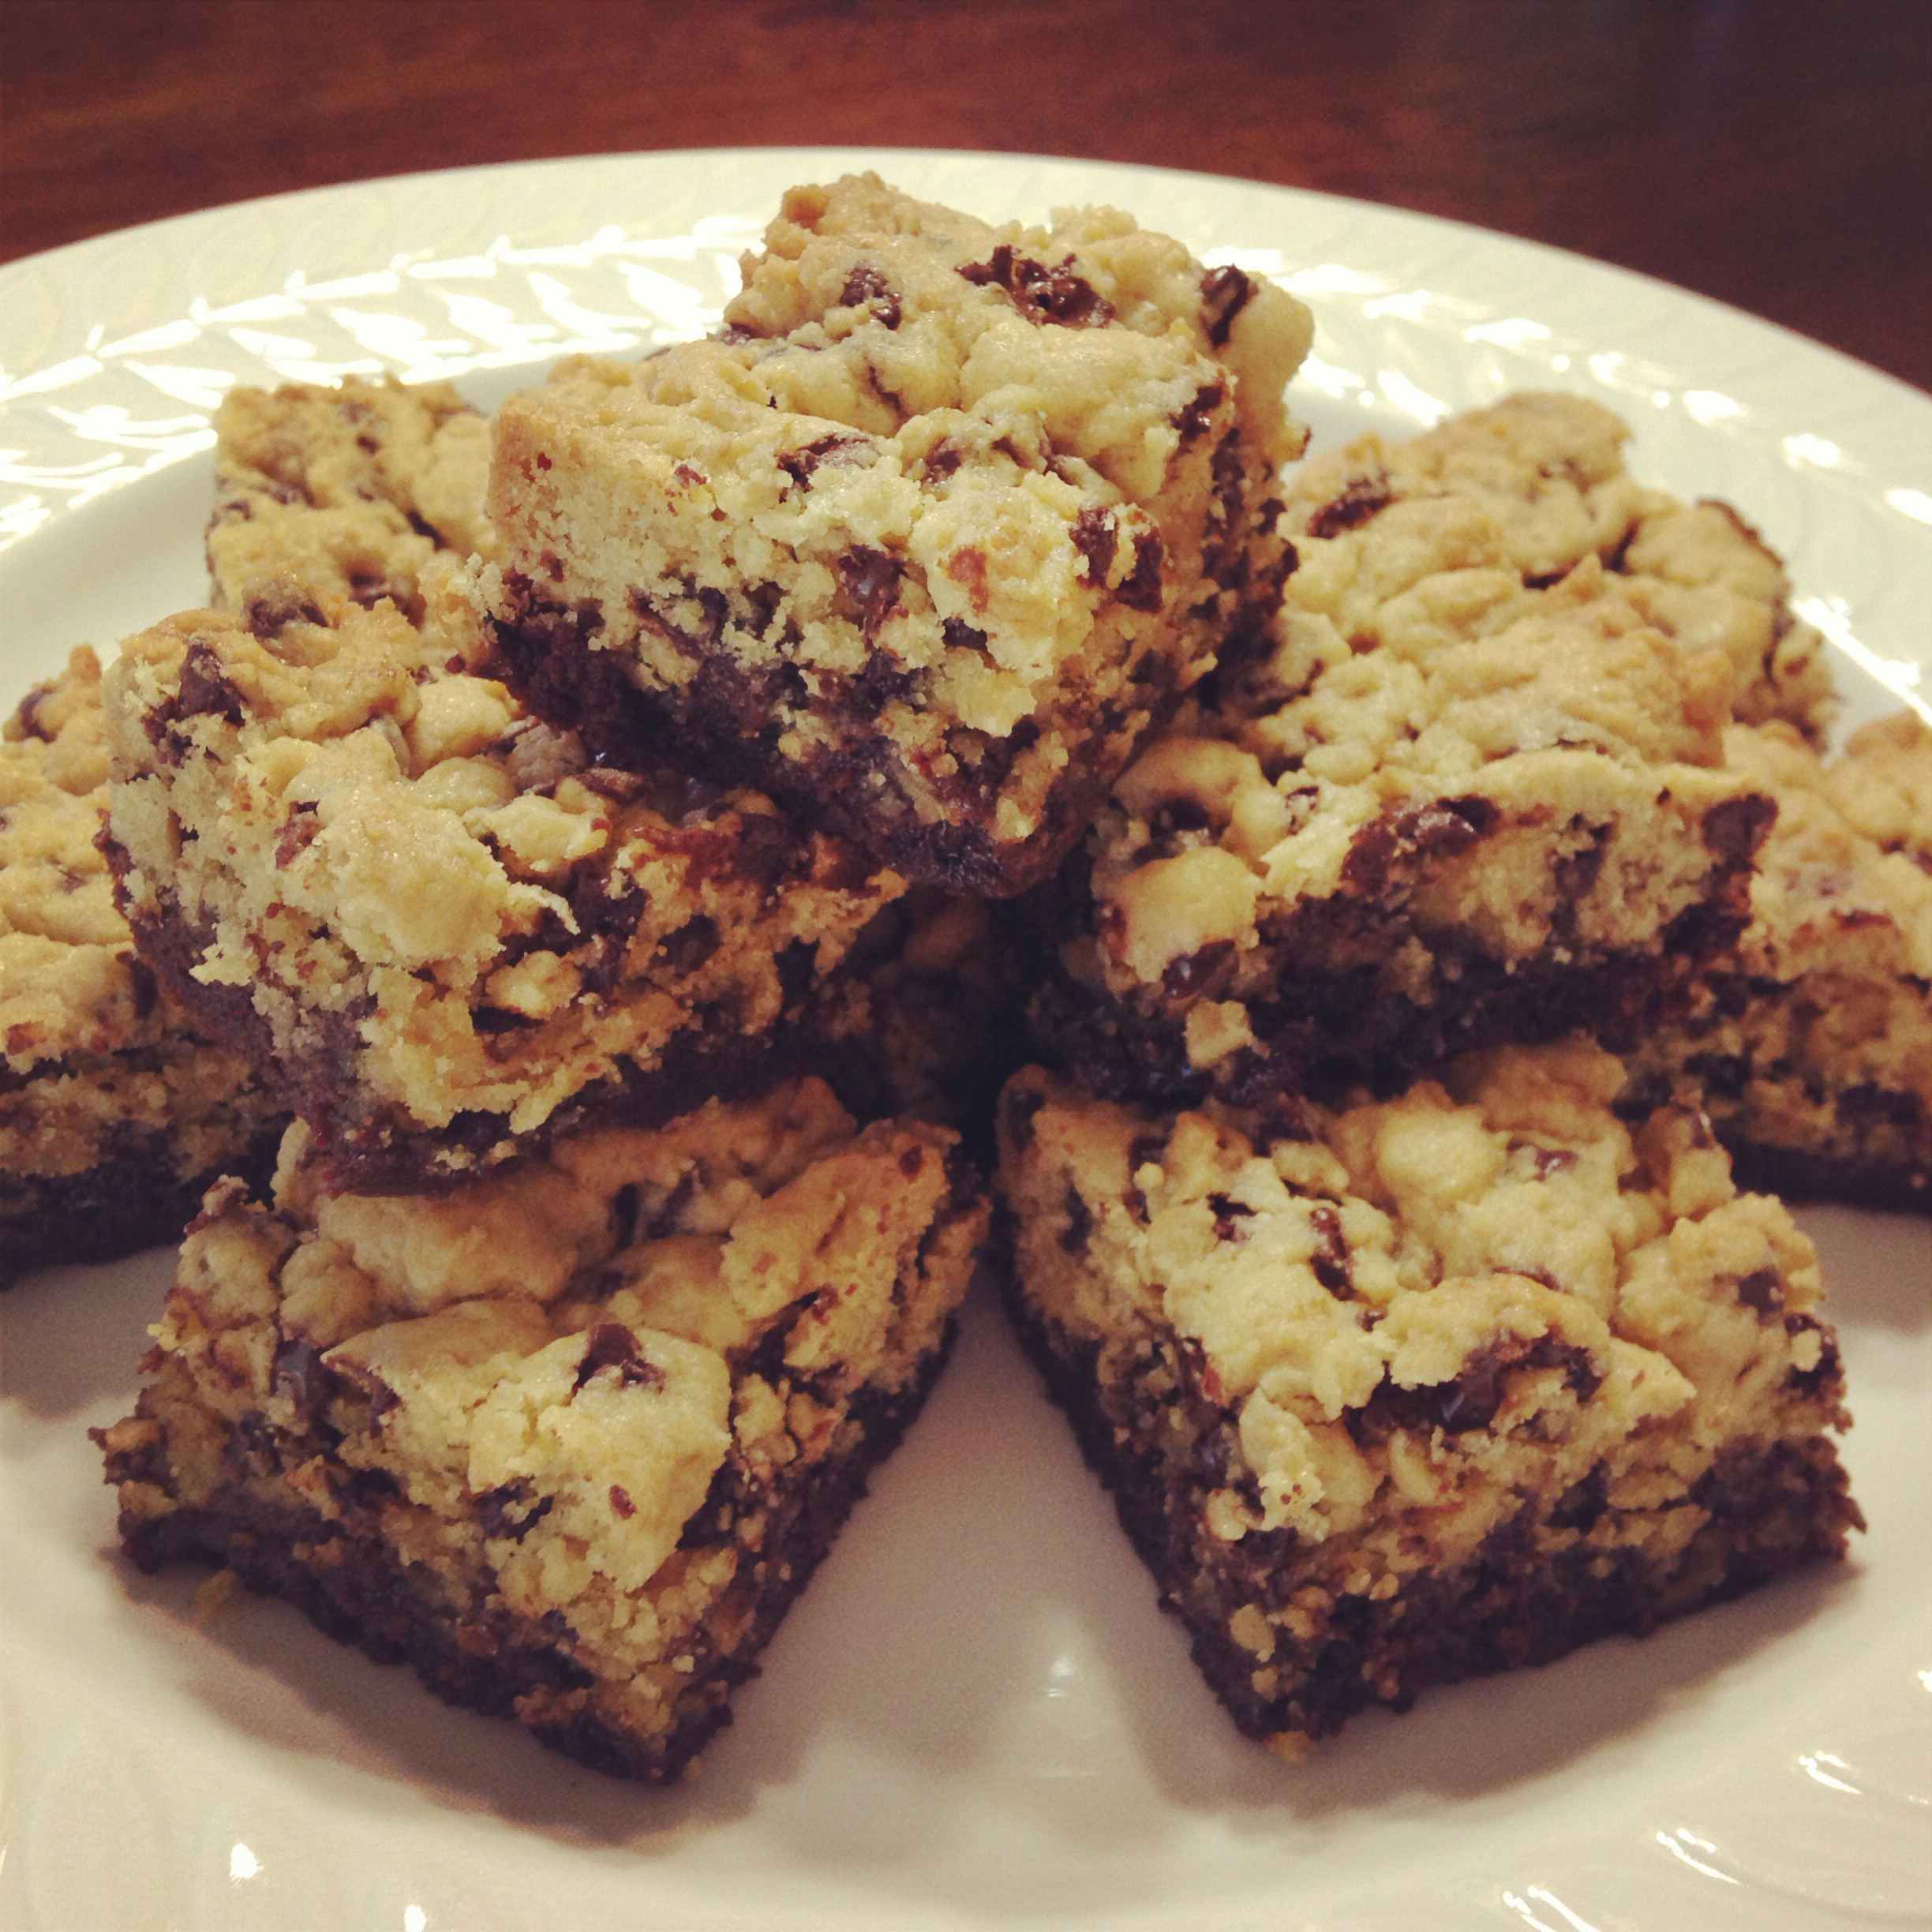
(1041, 293)
(301, 1372)
(1434, 828)
(866, 287)
(692, 945)
(1193, 420)
(204, 691)
(506, 1511)
(1360, 498)
(799, 464)
(613, 1346)
(870, 580)
(1735, 828)
(1096, 536)
(1224, 292)
(1330, 1260)
(1074, 1236)
(269, 608)
(1142, 590)
(1229, 1215)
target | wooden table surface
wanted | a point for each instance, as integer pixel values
(1775, 153)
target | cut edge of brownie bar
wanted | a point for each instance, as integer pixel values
(370, 1147)
(1294, 1635)
(575, 687)
(497, 1664)
(1770, 1513)
(131, 1200)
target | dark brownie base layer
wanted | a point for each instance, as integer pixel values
(1897, 1188)
(348, 1581)
(724, 720)
(1330, 1036)
(1770, 1511)
(106, 1212)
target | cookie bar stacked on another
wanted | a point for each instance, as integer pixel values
(1547, 468)
(1411, 1392)
(114, 1113)
(359, 493)
(568, 1438)
(435, 925)
(1809, 1044)
(926, 540)
(1448, 811)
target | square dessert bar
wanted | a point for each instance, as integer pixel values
(1809, 1044)
(435, 926)
(1408, 1392)
(359, 493)
(568, 1440)
(115, 1113)
(1549, 471)
(1447, 810)
(924, 542)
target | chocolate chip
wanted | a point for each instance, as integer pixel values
(1192, 420)
(1224, 292)
(1073, 1236)
(1735, 828)
(1142, 1150)
(799, 464)
(1433, 829)
(1330, 1260)
(1043, 295)
(505, 1510)
(1549, 1161)
(301, 1372)
(865, 285)
(1830, 1366)
(28, 717)
(1761, 1291)
(1142, 590)
(624, 1208)
(870, 580)
(620, 1502)
(203, 691)
(1359, 499)
(1096, 536)
(1583, 1502)
(613, 1346)
(692, 945)
(1190, 974)
(1229, 1215)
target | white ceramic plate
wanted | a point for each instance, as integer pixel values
(976, 1716)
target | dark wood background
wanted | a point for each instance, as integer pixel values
(1775, 153)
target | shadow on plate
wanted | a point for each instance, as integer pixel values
(1877, 1267)
(74, 1334)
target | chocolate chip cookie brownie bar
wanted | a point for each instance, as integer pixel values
(359, 493)
(114, 1113)
(437, 927)
(926, 539)
(1809, 1044)
(571, 1438)
(1448, 810)
(1529, 488)
(1412, 1391)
